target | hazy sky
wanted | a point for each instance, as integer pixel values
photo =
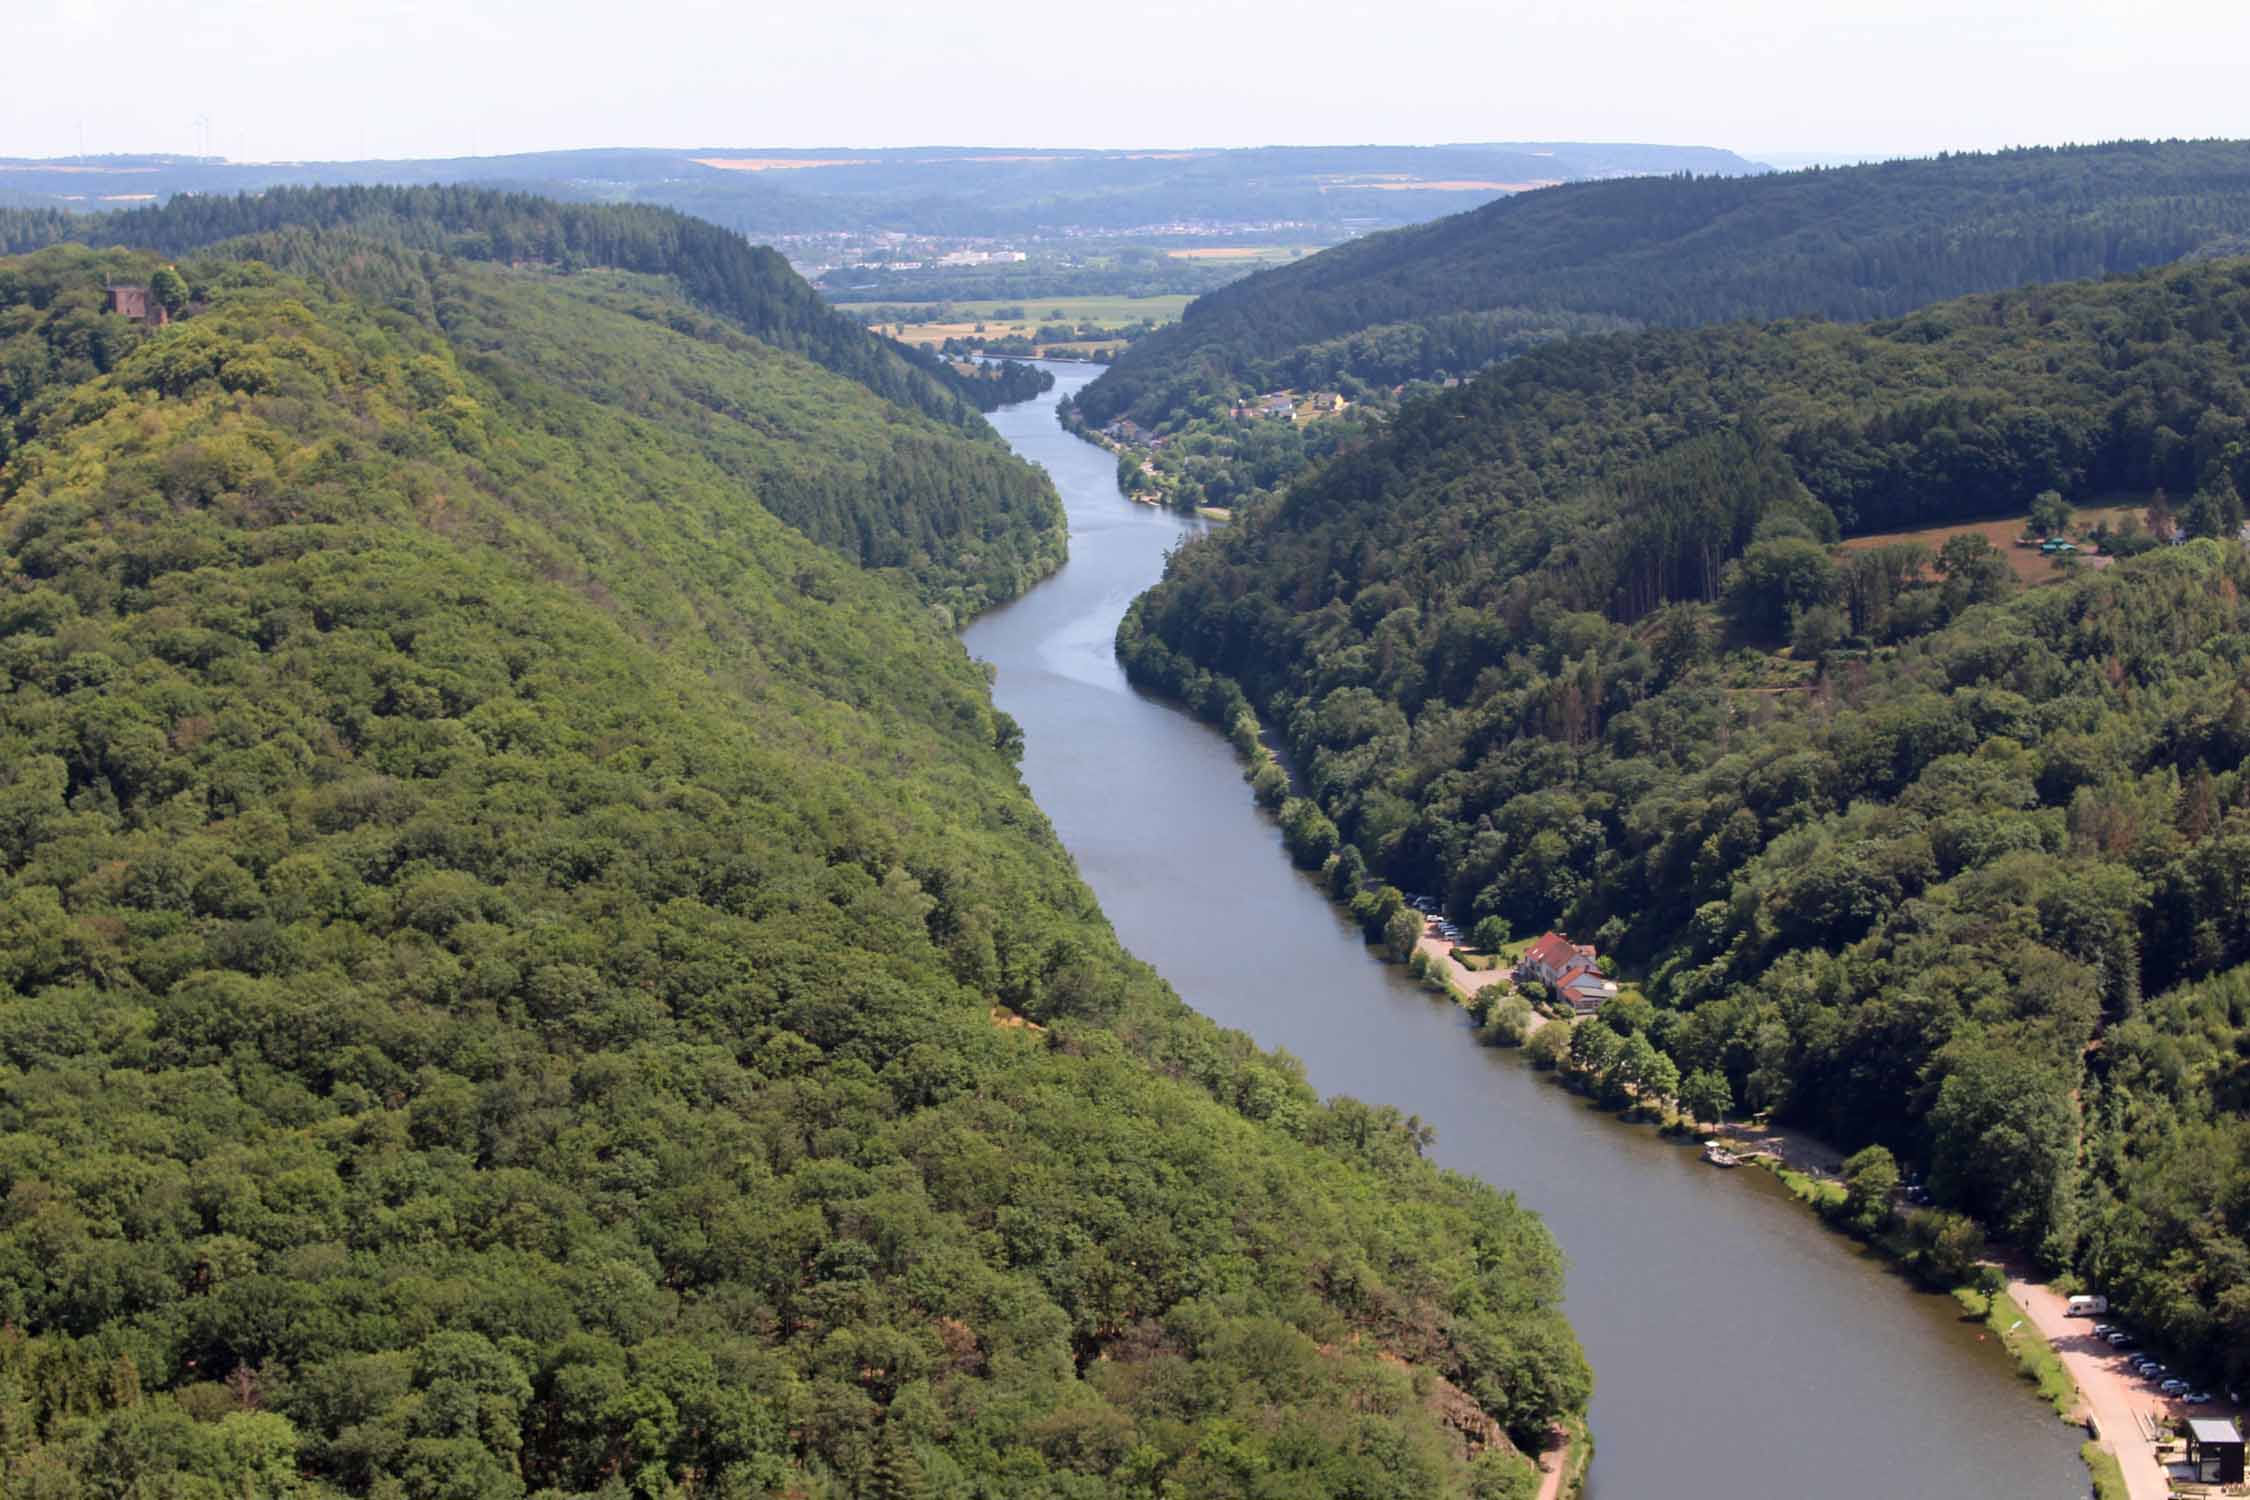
(350, 78)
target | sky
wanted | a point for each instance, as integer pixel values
(330, 79)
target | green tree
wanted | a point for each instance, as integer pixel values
(1705, 1096)
(1776, 581)
(1508, 1020)
(2050, 514)
(1549, 1045)
(2003, 1134)
(1402, 933)
(1661, 1083)
(1975, 571)
(1307, 831)
(1491, 934)
(895, 1473)
(169, 288)
(1594, 1048)
(2216, 508)
(1871, 1180)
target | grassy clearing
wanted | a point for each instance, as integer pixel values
(1808, 1189)
(2106, 1472)
(2033, 1354)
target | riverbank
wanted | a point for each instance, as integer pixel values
(2116, 1404)
(2086, 1382)
(1563, 1467)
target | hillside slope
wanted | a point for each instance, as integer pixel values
(511, 962)
(1847, 243)
(1955, 864)
(885, 485)
(718, 270)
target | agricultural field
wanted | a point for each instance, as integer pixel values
(934, 323)
(1264, 254)
(2030, 566)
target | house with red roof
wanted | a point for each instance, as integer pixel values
(1571, 970)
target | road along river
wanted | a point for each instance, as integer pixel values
(1741, 1351)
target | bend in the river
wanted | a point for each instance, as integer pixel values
(1741, 1351)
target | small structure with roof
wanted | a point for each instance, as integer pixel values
(2214, 1451)
(139, 304)
(1570, 969)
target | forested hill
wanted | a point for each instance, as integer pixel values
(1960, 871)
(717, 268)
(969, 522)
(1845, 243)
(520, 973)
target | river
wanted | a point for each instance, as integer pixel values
(1741, 1351)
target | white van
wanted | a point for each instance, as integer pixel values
(2088, 1306)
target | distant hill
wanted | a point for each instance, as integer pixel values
(950, 190)
(1845, 243)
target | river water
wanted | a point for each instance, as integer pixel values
(1741, 1351)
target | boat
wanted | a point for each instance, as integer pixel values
(1719, 1156)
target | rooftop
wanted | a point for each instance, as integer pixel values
(2213, 1430)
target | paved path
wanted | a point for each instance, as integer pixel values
(1465, 979)
(2115, 1397)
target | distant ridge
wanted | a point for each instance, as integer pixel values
(934, 189)
(1849, 243)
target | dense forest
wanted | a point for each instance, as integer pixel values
(883, 484)
(1903, 851)
(716, 268)
(521, 974)
(1844, 243)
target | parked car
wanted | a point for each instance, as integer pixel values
(2104, 1330)
(2122, 1340)
(2197, 1398)
(2174, 1387)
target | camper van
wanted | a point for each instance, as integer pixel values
(2088, 1307)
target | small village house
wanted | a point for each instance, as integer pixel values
(1571, 970)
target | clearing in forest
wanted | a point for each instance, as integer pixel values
(2030, 565)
